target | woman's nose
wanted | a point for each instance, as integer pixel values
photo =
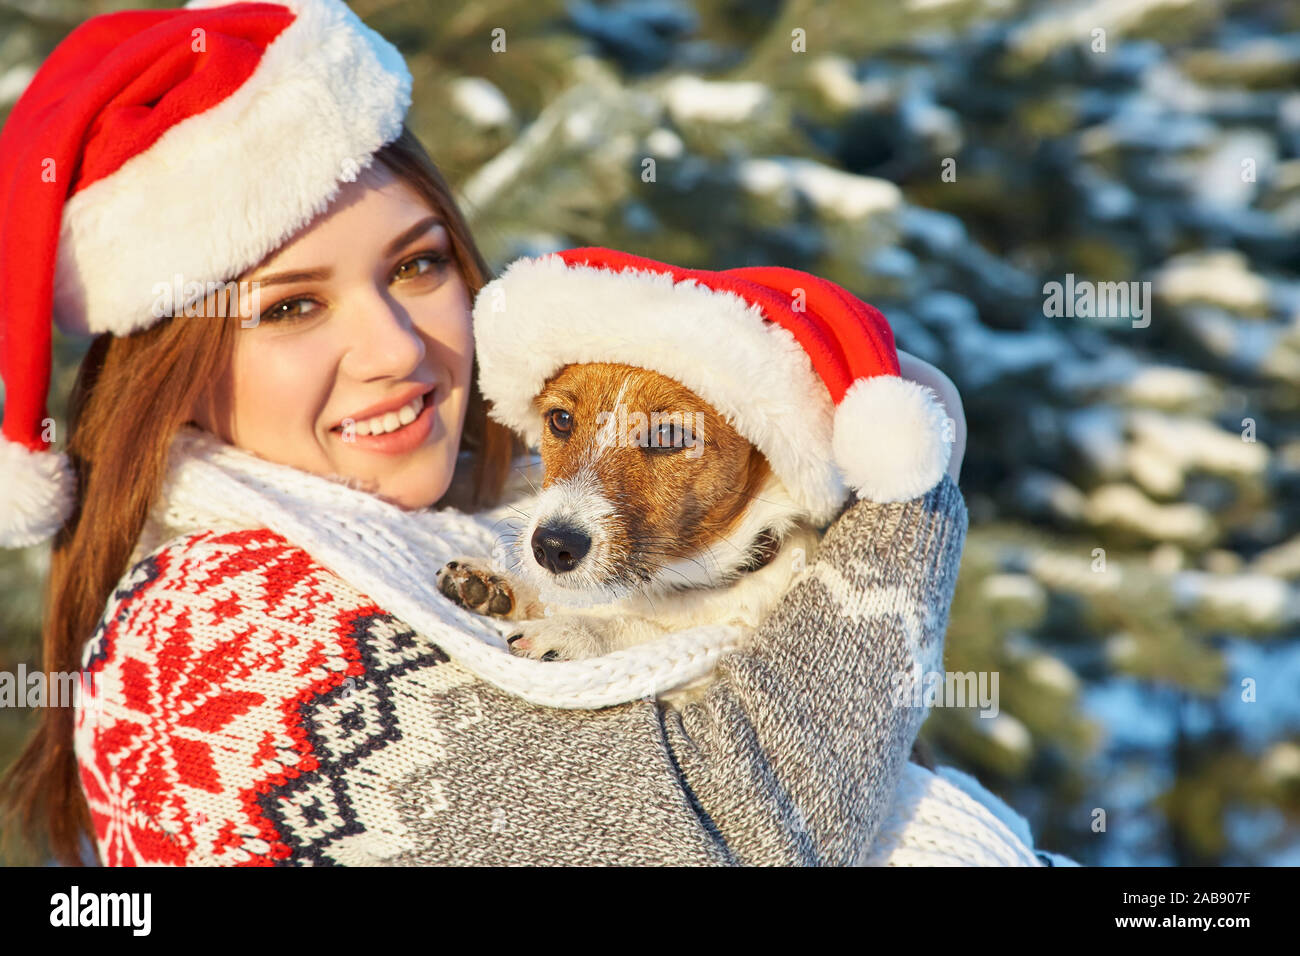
(384, 341)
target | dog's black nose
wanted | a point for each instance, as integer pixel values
(559, 549)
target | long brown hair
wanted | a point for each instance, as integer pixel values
(131, 395)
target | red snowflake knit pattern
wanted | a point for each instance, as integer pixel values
(227, 670)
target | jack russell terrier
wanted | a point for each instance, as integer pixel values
(655, 515)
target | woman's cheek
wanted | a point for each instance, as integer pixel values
(448, 330)
(448, 318)
(281, 388)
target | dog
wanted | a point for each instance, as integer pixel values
(654, 515)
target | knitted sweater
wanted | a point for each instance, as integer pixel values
(278, 681)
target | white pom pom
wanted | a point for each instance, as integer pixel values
(892, 438)
(37, 492)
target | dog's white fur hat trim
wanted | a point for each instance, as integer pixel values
(327, 93)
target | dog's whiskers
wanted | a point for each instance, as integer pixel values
(661, 567)
(521, 471)
(641, 545)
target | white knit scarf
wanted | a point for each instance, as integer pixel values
(392, 555)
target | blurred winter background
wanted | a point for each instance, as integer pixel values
(1132, 572)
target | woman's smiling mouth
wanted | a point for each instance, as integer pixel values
(393, 431)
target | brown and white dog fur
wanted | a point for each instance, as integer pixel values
(626, 542)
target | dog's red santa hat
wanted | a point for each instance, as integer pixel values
(804, 370)
(155, 143)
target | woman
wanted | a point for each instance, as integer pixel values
(250, 587)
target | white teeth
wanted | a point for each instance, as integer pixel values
(391, 421)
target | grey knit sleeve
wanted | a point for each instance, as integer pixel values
(793, 755)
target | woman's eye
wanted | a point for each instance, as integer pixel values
(561, 422)
(287, 309)
(410, 269)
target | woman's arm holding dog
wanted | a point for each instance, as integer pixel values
(796, 750)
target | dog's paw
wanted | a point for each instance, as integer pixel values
(567, 638)
(473, 585)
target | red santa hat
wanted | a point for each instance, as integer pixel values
(156, 143)
(803, 369)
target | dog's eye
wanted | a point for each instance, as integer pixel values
(670, 437)
(561, 422)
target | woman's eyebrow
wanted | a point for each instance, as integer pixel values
(312, 275)
(419, 229)
(320, 275)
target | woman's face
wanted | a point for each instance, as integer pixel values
(364, 323)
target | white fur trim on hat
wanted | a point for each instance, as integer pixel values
(37, 492)
(542, 314)
(891, 438)
(221, 190)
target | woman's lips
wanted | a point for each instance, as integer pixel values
(404, 439)
(379, 410)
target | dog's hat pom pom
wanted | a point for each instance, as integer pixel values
(37, 494)
(892, 438)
